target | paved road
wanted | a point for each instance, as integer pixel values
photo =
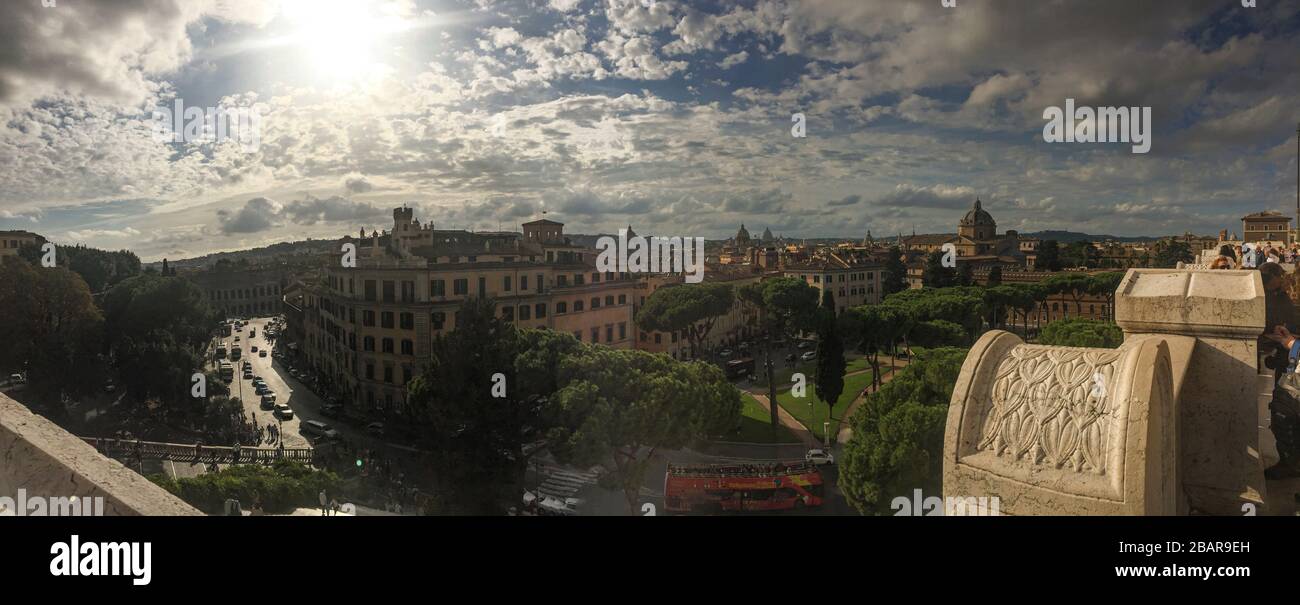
(305, 403)
(295, 395)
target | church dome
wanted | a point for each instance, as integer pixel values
(743, 234)
(977, 216)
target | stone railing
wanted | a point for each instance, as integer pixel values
(1174, 421)
(130, 449)
(42, 459)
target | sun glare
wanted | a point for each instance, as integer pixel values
(340, 39)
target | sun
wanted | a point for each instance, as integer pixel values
(340, 39)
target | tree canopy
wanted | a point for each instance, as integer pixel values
(1082, 333)
(690, 309)
(897, 443)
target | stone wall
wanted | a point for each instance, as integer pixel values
(1174, 421)
(42, 459)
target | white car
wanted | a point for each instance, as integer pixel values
(819, 457)
(809, 356)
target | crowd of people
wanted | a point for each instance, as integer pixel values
(1279, 346)
(1239, 257)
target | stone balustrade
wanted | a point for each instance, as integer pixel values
(43, 460)
(1174, 421)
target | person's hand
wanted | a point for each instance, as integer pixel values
(1282, 336)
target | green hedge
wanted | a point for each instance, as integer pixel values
(281, 487)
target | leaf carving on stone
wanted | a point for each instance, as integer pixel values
(1046, 410)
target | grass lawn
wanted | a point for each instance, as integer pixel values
(809, 369)
(756, 425)
(818, 414)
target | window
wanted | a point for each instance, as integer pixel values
(659, 338)
(595, 303)
(388, 345)
(438, 318)
(561, 280)
(368, 319)
(460, 287)
(505, 285)
(408, 291)
(622, 330)
(622, 299)
(437, 287)
(523, 282)
(595, 278)
(386, 319)
(406, 374)
(370, 371)
(482, 287)
(578, 279)
(595, 335)
(407, 321)
(408, 347)
(561, 308)
(388, 373)
(524, 312)
(577, 306)
(540, 281)
(577, 335)
(609, 332)
(389, 292)
(508, 313)
(609, 300)
(541, 310)
(369, 343)
(370, 289)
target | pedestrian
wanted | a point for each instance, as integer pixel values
(324, 502)
(334, 506)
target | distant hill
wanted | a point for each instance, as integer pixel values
(1075, 236)
(309, 247)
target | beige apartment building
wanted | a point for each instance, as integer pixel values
(11, 241)
(242, 293)
(369, 328)
(852, 281)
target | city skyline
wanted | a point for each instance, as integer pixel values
(673, 117)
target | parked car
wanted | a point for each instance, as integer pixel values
(253, 349)
(819, 457)
(809, 356)
(331, 411)
(790, 357)
(725, 353)
(268, 401)
(375, 428)
(248, 374)
(262, 353)
(803, 344)
(263, 389)
(283, 412)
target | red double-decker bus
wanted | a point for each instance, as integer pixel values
(717, 488)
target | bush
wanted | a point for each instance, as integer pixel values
(1082, 333)
(281, 487)
(897, 443)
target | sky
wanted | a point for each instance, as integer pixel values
(673, 117)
